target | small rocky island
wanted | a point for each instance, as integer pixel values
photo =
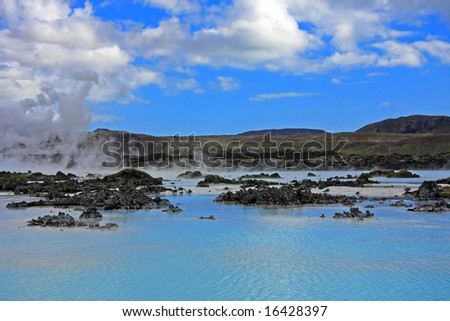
(260, 175)
(284, 196)
(128, 189)
(248, 180)
(191, 175)
(89, 219)
(354, 213)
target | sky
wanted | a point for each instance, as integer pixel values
(163, 67)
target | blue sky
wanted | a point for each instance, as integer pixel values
(220, 67)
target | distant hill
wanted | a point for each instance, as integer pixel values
(283, 132)
(416, 124)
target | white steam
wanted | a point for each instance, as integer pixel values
(50, 128)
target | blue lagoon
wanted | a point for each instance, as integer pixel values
(248, 253)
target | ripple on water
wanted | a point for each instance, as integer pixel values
(246, 254)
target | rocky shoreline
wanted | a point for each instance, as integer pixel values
(132, 189)
(129, 189)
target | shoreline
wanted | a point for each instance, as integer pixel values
(133, 189)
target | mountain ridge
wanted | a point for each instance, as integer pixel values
(414, 124)
(282, 132)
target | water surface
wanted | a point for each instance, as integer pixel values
(248, 253)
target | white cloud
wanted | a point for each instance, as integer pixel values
(346, 24)
(350, 59)
(397, 54)
(121, 83)
(436, 48)
(246, 34)
(264, 97)
(174, 6)
(44, 10)
(228, 83)
(170, 39)
(56, 61)
(386, 104)
(176, 86)
(46, 42)
(266, 34)
(252, 33)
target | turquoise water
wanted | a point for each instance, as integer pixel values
(248, 253)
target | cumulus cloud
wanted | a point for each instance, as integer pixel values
(436, 48)
(247, 34)
(269, 34)
(264, 97)
(168, 40)
(252, 32)
(48, 42)
(347, 25)
(55, 62)
(397, 54)
(298, 36)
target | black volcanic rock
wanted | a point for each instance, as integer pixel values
(63, 177)
(392, 174)
(66, 220)
(443, 181)
(202, 184)
(439, 207)
(211, 218)
(172, 209)
(244, 180)
(260, 175)
(191, 175)
(283, 196)
(410, 125)
(60, 220)
(400, 203)
(125, 197)
(107, 226)
(91, 213)
(214, 179)
(354, 213)
(429, 190)
(132, 176)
